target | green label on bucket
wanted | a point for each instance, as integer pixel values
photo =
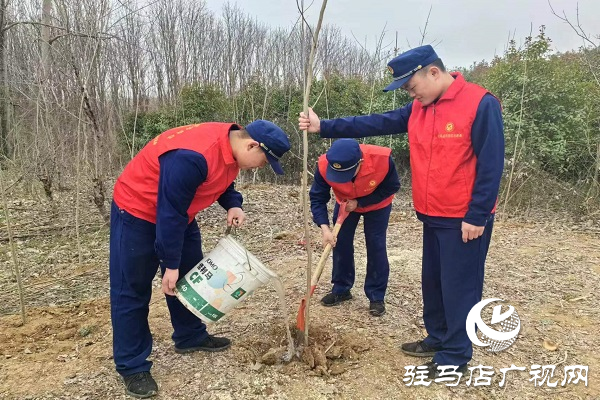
(238, 293)
(190, 295)
(186, 290)
(212, 313)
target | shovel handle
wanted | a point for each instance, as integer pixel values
(342, 214)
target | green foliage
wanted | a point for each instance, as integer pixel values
(550, 101)
(196, 104)
(202, 104)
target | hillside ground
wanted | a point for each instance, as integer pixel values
(548, 269)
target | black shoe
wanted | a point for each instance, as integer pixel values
(418, 349)
(211, 343)
(377, 308)
(333, 299)
(433, 372)
(140, 385)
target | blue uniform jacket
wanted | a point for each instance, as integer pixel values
(181, 172)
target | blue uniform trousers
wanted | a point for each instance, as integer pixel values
(378, 267)
(452, 283)
(133, 265)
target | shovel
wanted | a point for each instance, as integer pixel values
(342, 214)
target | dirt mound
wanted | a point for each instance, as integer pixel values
(328, 353)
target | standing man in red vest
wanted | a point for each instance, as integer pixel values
(456, 139)
(181, 172)
(366, 177)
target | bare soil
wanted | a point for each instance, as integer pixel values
(549, 270)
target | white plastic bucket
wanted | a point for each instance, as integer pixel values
(223, 279)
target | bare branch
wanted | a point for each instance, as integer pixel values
(304, 19)
(578, 29)
(424, 31)
(100, 35)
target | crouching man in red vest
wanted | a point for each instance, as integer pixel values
(366, 176)
(181, 172)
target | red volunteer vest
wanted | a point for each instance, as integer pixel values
(441, 155)
(136, 190)
(374, 168)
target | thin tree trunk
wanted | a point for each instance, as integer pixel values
(13, 247)
(4, 103)
(514, 157)
(597, 172)
(394, 95)
(85, 107)
(594, 190)
(42, 106)
(45, 36)
(309, 76)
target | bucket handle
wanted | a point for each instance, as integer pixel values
(248, 260)
(228, 232)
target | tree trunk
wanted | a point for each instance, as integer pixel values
(4, 103)
(45, 36)
(13, 247)
(304, 188)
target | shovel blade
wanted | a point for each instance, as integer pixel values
(300, 318)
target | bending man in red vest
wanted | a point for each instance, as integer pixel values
(179, 173)
(366, 176)
(456, 139)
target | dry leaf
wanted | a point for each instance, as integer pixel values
(550, 345)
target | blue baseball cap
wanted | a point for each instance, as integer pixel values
(404, 66)
(343, 158)
(272, 139)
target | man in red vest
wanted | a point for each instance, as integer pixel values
(181, 172)
(366, 177)
(456, 139)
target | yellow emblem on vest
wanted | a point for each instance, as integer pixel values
(391, 70)
(336, 166)
(449, 127)
(372, 183)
